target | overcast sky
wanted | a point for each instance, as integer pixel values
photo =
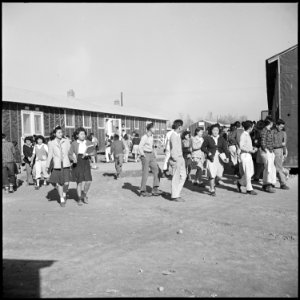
(167, 58)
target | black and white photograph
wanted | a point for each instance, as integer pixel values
(150, 150)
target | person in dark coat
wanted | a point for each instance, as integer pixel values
(216, 149)
(28, 156)
(79, 153)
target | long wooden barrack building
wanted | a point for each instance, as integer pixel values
(25, 113)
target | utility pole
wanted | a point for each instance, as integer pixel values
(121, 98)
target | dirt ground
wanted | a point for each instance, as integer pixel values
(121, 245)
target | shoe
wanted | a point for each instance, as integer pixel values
(37, 187)
(179, 199)
(145, 194)
(239, 186)
(156, 192)
(213, 193)
(284, 187)
(251, 192)
(270, 189)
(79, 202)
(62, 204)
(85, 200)
(220, 182)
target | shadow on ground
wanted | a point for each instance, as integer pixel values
(21, 278)
(54, 196)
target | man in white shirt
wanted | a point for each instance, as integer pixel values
(177, 162)
(167, 152)
(148, 159)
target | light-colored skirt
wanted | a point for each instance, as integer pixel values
(135, 149)
(215, 168)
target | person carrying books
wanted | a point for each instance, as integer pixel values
(80, 152)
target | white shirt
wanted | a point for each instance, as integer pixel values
(168, 136)
(215, 139)
(39, 147)
(82, 146)
(246, 142)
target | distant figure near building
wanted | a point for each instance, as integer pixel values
(8, 165)
(117, 151)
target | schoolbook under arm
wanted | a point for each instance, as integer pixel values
(90, 150)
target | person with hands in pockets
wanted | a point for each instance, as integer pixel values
(177, 162)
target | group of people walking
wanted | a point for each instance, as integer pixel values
(251, 149)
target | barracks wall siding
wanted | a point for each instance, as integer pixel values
(12, 121)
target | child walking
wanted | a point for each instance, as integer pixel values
(126, 143)
(28, 152)
(117, 150)
(81, 170)
(135, 149)
(40, 154)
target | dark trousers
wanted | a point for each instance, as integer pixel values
(258, 170)
(118, 163)
(149, 161)
(8, 174)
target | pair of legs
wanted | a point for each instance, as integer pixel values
(198, 175)
(107, 154)
(269, 174)
(62, 191)
(149, 161)
(178, 178)
(278, 161)
(119, 163)
(40, 168)
(126, 154)
(82, 189)
(8, 176)
(29, 174)
(215, 172)
(188, 166)
(248, 171)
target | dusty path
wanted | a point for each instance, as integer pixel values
(118, 245)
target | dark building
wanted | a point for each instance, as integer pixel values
(25, 113)
(282, 92)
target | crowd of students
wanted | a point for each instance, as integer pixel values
(252, 149)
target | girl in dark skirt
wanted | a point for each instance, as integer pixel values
(80, 152)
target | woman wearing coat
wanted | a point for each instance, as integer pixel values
(213, 146)
(81, 171)
(59, 154)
